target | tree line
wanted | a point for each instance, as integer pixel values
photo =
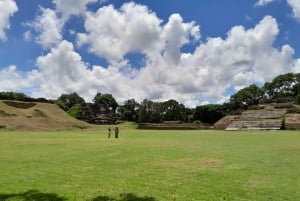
(283, 88)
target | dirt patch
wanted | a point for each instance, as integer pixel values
(193, 164)
(20, 105)
(256, 181)
(212, 163)
(293, 148)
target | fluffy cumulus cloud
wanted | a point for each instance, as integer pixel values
(240, 59)
(11, 79)
(243, 57)
(175, 34)
(111, 33)
(7, 9)
(72, 7)
(63, 71)
(47, 26)
(263, 2)
(295, 4)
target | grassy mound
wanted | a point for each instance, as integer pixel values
(16, 115)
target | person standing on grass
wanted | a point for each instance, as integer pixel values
(116, 132)
(109, 132)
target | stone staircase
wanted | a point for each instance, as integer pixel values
(268, 118)
(255, 125)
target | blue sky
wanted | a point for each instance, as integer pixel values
(195, 51)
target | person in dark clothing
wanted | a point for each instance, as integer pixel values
(109, 132)
(116, 132)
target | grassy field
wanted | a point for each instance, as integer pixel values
(150, 166)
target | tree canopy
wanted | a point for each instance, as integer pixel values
(283, 86)
(66, 101)
(106, 99)
(247, 96)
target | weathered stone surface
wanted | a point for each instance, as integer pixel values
(225, 121)
(267, 118)
(263, 114)
(292, 121)
(255, 125)
(96, 113)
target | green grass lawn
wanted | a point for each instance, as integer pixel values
(150, 166)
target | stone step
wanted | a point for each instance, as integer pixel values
(263, 114)
(255, 125)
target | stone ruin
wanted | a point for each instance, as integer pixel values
(96, 114)
(267, 118)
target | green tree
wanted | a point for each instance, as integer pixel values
(210, 113)
(189, 114)
(247, 96)
(129, 111)
(283, 86)
(13, 96)
(150, 112)
(106, 99)
(144, 110)
(156, 112)
(173, 111)
(66, 101)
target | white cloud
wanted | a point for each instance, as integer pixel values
(28, 36)
(175, 34)
(7, 9)
(295, 4)
(112, 33)
(263, 2)
(11, 79)
(72, 7)
(63, 71)
(135, 29)
(47, 27)
(243, 57)
(49, 23)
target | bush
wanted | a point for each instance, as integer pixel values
(74, 110)
(198, 122)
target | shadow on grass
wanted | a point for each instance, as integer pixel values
(124, 197)
(32, 195)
